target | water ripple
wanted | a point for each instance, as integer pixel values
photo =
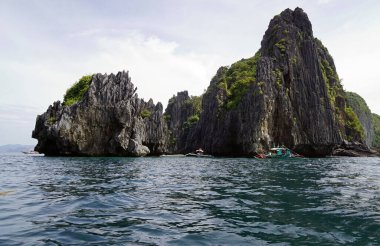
(189, 201)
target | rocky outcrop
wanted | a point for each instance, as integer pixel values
(287, 94)
(109, 120)
(359, 106)
(354, 149)
(375, 119)
(181, 114)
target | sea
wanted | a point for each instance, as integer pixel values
(188, 201)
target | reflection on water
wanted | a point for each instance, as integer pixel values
(189, 201)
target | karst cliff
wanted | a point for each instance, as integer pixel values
(109, 120)
(288, 93)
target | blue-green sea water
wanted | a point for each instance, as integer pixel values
(188, 201)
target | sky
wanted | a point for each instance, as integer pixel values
(166, 45)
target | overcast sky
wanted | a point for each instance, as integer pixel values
(168, 46)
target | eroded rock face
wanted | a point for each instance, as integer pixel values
(288, 94)
(354, 149)
(177, 114)
(108, 121)
(359, 106)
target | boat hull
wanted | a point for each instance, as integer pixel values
(198, 155)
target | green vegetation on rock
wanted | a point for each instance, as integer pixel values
(281, 45)
(237, 79)
(195, 102)
(361, 109)
(51, 120)
(278, 74)
(376, 130)
(320, 45)
(357, 101)
(353, 123)
(145, 113)
(191, 121)
(329, 75)
(331, 78)
(346, 117)
(75, 93)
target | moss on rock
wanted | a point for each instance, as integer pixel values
(75, 93)
(145, 113)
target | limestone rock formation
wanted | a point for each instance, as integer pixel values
(287, 94)
(376, 131)
(109, 120)
(359, 106)
(181, 114)
(354, 149)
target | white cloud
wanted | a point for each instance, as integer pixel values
(356, 53)
(156, 68)
(324, 1)
(46, 46)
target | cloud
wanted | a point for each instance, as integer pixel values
(356, 58)
(167, 46)
(324, 1)
(155, 65)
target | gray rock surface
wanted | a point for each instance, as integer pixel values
(354, 149)
(358, 104)
(178, 112)
(107, 121)
(293, 98)
(287, 94)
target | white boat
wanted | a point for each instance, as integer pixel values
(32, 152)
(198, 155)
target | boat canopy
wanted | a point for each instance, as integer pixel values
(278, 148)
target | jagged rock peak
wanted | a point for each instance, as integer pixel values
(287, 94)
(109, 119)
(289, 25)
(296, 17)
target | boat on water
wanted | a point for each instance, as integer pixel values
(31, 152)
(198, 153)
(280, 152)
(174, 155)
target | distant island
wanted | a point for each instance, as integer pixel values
(287, 94)
(15, 148)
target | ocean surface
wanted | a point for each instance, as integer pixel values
(188, 201)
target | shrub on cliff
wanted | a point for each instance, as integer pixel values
(354, 125)
(145, 113)
(191, 121)
(237, 79)
(195, 102)
(75, 93)
(354, 100)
